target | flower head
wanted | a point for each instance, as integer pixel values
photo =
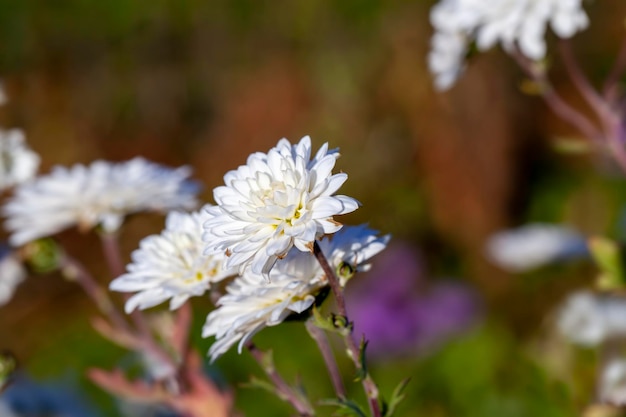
(252, 304)
(613, 382)
(276, 201)
(100, 194)
(534, 245)
(18, 163)
(171, 265)
(588, 319)
(513, 23)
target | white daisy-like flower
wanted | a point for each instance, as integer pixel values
(276, 201)
(613, 383)
(534, 245)
(513, 23)
(18, 163)
(100, 194)
(171, 265)
(12, 273)
(252, 304)
(589, 319)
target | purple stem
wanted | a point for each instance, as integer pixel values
(370, 388)
(559, 106)
(75, 271)
(610, 120)
(284, 390)
(112, 254)
(619, 66)
(329, 359)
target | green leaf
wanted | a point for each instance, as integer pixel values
(7, 366)
(255, 382)
(344, 407)
(396, 397)
(43, 255)
(572, 146)
(344, 272)
(361, 373)
(607, 255)
(335, 323)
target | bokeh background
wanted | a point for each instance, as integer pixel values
(206, 83)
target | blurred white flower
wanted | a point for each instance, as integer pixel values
(446, 59)
(18, 163)
(589, 319)
(100, 194)
(252, 304)
(513, 23)
(171, 265)
(6, 411)
(613, 383)
(534, 245)
(12, 273)
(276, 201)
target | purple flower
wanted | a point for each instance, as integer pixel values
(400, 313)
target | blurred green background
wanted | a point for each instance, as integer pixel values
(205, 83)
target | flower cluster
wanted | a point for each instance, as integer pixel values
(276, 201)
(515, 24)
(100, 194)
(269, 216)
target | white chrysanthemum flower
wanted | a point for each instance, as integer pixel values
(588, 319)
(12, 273)
(171, 265)
(252, 304)
(613, 383)
(513, 23)
(276, 201)
(100, 194)
(534, 245)
(18, 163)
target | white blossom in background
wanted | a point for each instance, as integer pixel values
(6, 411)
(12, 273)
(252, 304)
(518, 24)
(100, 194)
(589, 319)
(534, 245)
(446, 58)
(276, 201)
(613, 383)
(18, 163)
(171, 265)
